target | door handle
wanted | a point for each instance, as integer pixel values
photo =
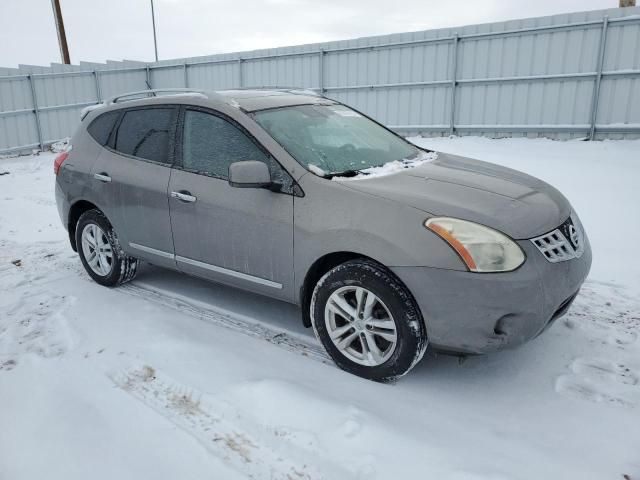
(103, 177)
(184, 196)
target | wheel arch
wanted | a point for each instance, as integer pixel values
(75, 211)
(317, 269)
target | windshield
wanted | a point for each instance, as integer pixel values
(333, 139)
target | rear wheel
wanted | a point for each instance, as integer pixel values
(100, 251)
(368, 321)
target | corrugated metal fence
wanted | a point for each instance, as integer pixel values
(572, 75)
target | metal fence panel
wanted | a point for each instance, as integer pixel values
(167, 77)
(563, 76)
(114, 82)
(282, 71)
(620, 95)
(222, 76)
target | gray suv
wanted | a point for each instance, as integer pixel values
(386, 247)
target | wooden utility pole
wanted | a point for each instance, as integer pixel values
(627, 3)
(62, 37)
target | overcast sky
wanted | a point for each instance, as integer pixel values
(98, 30)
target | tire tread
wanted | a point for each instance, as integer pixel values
(411, 316)
(126, 266)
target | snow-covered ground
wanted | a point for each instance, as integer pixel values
(171, 377)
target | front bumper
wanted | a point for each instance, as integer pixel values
(469, 312)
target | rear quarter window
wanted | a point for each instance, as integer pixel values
(101, 127)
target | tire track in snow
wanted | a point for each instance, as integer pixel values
(246, 446)
(47, 262)
(226, 319)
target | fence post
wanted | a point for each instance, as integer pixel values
(596, 86)
(454, 74)
(186, 77)
(96, 77)
(36, 111)
(321, 71)
(240, 79)
(148, 79)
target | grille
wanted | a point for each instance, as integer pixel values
(563, 243)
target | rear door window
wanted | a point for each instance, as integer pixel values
(146, 133)
(101, 127)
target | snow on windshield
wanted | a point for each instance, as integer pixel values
(388, 168)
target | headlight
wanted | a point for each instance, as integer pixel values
(481, 248)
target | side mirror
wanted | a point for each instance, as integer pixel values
(249, 174)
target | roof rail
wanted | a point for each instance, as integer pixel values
(305, 91)
(142, 94)
(154, 93)
(316, 92)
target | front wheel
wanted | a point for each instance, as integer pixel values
(368, 321)
(100, 251)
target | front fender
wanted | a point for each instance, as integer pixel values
(332, 218)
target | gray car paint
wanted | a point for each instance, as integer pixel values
(247, 230)
(240, 236)
(510, 201)
(135, 202)
(524, 301)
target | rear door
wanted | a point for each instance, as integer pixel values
(239, 236)
(132, 176)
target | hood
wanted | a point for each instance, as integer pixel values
(507, 200)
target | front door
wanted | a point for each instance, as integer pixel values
(238, 236)
(131, 178)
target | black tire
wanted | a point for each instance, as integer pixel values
(123, 267)
(411, 333)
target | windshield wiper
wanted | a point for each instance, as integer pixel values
(345, 173)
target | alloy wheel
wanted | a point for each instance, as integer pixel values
(97, 249)
(360, 326)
